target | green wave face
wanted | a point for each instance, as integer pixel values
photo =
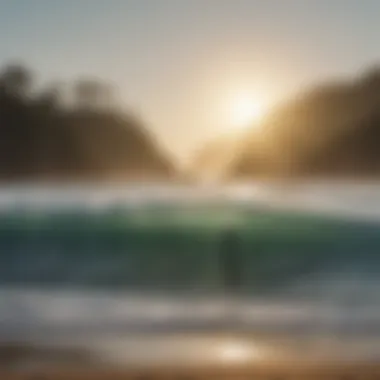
(179, 248)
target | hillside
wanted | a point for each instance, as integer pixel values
(328, 131)
(44, 139)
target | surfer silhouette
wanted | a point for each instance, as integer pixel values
(230, 262)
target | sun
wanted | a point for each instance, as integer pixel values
(245, 111)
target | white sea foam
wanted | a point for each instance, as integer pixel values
(339, 198)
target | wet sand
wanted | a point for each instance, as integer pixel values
(74, 365)
(269, 371)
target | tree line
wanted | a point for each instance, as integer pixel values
(331, 130)
(46, 135)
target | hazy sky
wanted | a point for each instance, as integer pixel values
(180, 62)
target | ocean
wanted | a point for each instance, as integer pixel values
(84, 262)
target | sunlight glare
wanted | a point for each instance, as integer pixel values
(238, 352)
(245, 112)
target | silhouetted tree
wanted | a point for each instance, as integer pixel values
(16, 80)
(91, 94)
